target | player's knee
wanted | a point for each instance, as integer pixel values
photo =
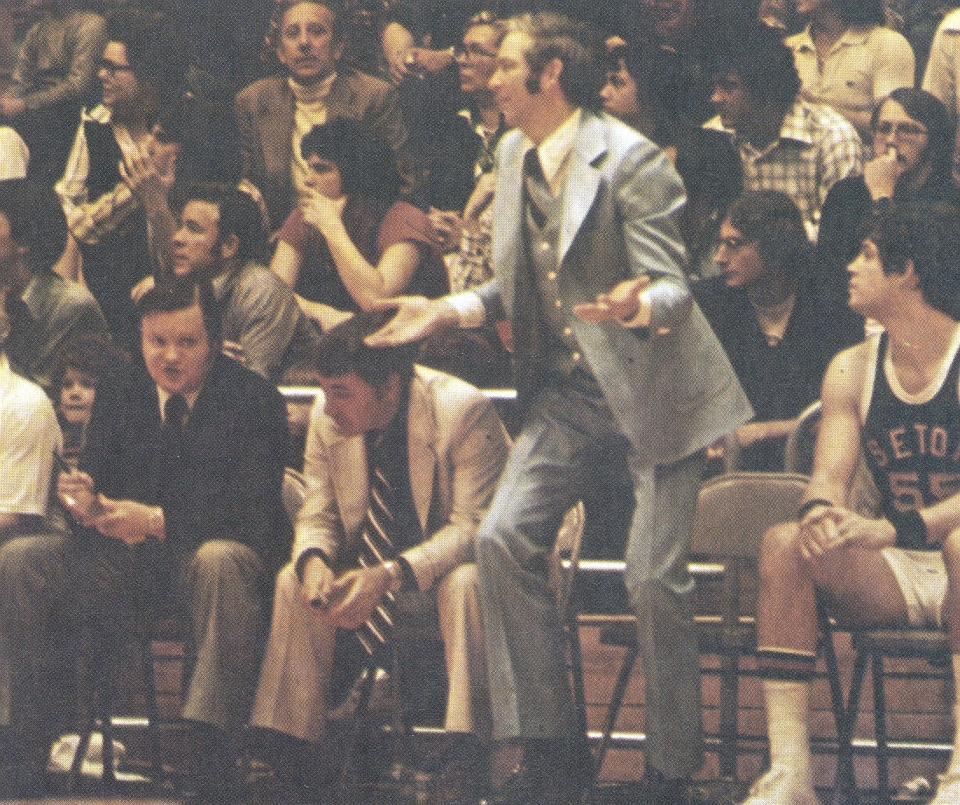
(778, 550)
(951, 549)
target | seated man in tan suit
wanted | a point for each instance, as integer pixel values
(401, 462)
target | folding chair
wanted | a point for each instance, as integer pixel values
(562, 568)
(733, 513)
(166, 629)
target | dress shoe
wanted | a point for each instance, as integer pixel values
(545, 774)
(457, 775)
(781, 786)
(662, 790)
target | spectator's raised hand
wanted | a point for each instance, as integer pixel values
(147, 176)
(881, 173)
(397, 42)
(321, 212)
(447, 228)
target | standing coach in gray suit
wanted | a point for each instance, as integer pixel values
(614, 363)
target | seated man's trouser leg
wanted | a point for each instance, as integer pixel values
(106, 585)
(33, 593)
(295, 677)
(565, 438)
(458, 608)
(224, 587)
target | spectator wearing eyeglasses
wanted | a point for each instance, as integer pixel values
(776, 327)
(114, 141)
(913, 138)
(463, 211)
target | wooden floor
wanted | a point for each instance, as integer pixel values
(918, 707)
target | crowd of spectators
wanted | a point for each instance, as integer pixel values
(305, 160)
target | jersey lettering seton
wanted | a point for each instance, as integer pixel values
(913, 447)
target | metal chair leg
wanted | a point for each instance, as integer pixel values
(844, 774)
(729, 707)
(346, 785)
(616, 702)
(845, 788)
(880, 727)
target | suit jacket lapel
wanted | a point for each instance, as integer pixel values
(421, 452)
(508, 252)
(341, 99)
(583, 180)
(278, 127)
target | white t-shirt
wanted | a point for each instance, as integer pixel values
(14, 155)
(29, 436)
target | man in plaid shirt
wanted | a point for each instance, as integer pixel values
(785, 143)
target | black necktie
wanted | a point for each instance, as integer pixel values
(377, 545)
(175, 415)
(532, 167)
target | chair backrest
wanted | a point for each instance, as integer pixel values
(294, 491)
(735, 510)
(863, 496)
(798, 451)
(565, 557)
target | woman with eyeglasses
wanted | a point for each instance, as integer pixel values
(847, 59)
(913, 135)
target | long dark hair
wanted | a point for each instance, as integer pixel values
(929, 110)
(366, 163)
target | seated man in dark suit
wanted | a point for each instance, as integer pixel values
(178, 500)
(401, 462)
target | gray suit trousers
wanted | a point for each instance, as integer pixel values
(567, 435)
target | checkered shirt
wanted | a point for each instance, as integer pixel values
(815, 149)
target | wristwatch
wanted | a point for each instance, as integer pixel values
(395, 572)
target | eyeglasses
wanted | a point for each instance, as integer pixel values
(111, 67)
(890, 129)
(473, 51)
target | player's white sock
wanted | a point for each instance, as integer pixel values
(788, 708)
(954, 767)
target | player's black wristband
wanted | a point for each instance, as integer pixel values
(810, 505)
(911, 530)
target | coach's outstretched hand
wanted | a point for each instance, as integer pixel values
(416, 318)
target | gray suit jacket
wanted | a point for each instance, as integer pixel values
(457, 448)
(672, 390)
(265, 112)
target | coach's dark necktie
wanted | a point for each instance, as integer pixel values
(533, 174)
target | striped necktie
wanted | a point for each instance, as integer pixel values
(378, 545)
